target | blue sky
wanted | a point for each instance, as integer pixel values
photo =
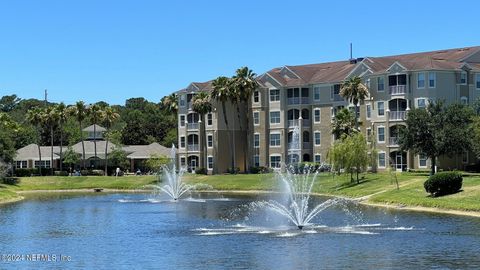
(113, 50)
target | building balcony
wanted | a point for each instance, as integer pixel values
(394, 141)
(306, 122)
(397, 89)
(338, 98)
(307, 145)
(293, 146)
(397, 115)
(193, 126)
(193, 147)
(298, 100)
(293, 123)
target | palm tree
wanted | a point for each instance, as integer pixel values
(355, 91)
(222, 91)
(80, 112)
(96, 114)
(170, 102)
(245, 83)
(109, 116)
(202, 105)
(34, 117)
(62, 115)
(343, 123)
(50, 118)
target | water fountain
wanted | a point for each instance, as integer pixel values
(174, 187)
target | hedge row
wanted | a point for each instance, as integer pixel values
(443, 183)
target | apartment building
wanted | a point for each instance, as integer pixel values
(306, 98)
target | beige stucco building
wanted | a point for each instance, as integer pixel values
(307, 96)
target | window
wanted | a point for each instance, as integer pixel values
(182, 161)
(369, 134)
(210, 162)
(318, 158)
(256, 96)
(381, 108)
(275, 139)
(317, 137)
(316, 93)
(182, 100)
(381, 160)
(256, 160)
(381, 134)
(209, 140)
(421, 103)
(274, 117)
(380, 84)
(421, 80)
(477, 81)
(209, 119)
(463, 77)
(21, 164)
(43, 164)
(256, 140)
(465, 157)
(422, 161)
(182, 120)
(316, 115)
(256, 118)
(432, 77)
(274, 95)
(464, 100)
(335, 93)
(369, 111)
(182, 142)
(275, 161)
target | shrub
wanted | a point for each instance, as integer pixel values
(96, 172)
(201, 171)
(61, 173)
(233, 170)
(443, 183)
(25, 172)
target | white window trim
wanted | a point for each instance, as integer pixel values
(416, 101)
(426, 161)
(207, 119)
(270, 96)
(270, 139)
(180, 142)
(466, 78)
(314, 138)
(270, 118)
(209, 164)
(316, 87)
(180, 160)
(462, 99)
(424, 80)
(477, 79)
(378, 78)
(184, 120)
(384, 109)
(320, 119)
(378, 159)
(270, 160)
(366, 111)
(253, 116)
(434, 79)
(253, 97)
(209, 134)
(184, 100)
(384, 135)
(315, 157)
(366, 133)
(254, 134)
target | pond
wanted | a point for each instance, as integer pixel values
(212, 231)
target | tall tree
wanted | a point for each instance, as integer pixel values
(438, 130)
(8, 131)
(202, 105)
(244, 83)
(34, 117)
(95, 114)
(50, 118)
(8, 103)
(80, 112)
(109, 116)
(343, 123)
(170, 103)
(62, 115)
(355, 91)
(222, 92)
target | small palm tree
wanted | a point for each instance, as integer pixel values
(109, 116)
(244, 83)
(80, 112)
(62, 114)
(202, 105)
(170, 102)
(96, 115)
(355, 91)
(222, 92)
(34, 117)
(344, 123)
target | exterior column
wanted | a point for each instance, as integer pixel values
(201, 136)
(300, 137)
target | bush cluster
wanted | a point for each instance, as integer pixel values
(235, 170)
(24, 172)
(60, 173)
(201, 171)
(92, 172)
(259, 169)
(443, 183)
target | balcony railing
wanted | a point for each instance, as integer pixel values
(293, 123)
(338, 98)
(398, 115)
(298, 100)
(398, 89)
(193, 147)
(394, 141)
(294, 146)
(192, 126)
(307, 145)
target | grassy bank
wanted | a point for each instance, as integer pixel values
(376, 188)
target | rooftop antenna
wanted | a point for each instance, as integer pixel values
(351, 50)
(46, 102)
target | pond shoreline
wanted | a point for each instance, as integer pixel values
(362, 200)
